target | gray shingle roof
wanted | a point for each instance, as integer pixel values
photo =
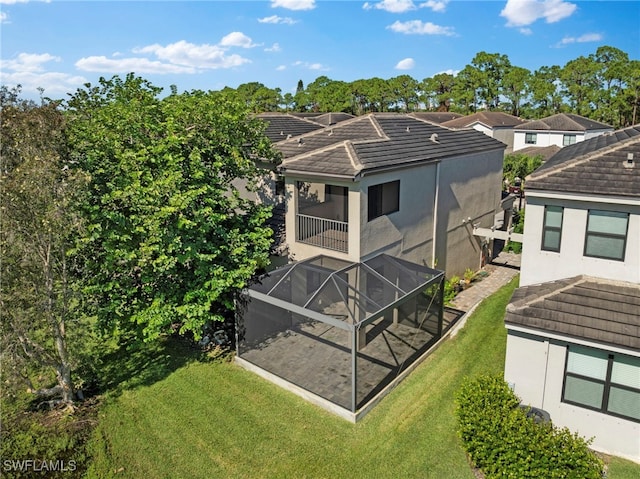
(564, 122)
(545, 152)
(493, 119)
(436, 116)
(378, 140)
(281, 125)
(582, 307)
(594, 166)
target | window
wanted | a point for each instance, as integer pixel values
(279, 186)
(606, 234)
(530, 138)
(384, 199)
(609, 383)
(552, 228)
(568, 140)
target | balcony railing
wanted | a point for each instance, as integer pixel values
(328, 234)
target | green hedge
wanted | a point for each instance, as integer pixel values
(504, 443)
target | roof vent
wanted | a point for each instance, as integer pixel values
(331, 132)
(629, 162)
(281, 133)
(408, 130)
(300, 141)
(288, 136)
(434, 138)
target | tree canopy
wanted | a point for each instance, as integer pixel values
(603, 86)
(170, 237)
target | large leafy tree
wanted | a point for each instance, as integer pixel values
(39, 320)
(170, 238)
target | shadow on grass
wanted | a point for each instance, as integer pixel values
(143, 364)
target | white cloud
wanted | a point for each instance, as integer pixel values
(392, 6)
(131, 64)
(448, 72)
(526, 31)
(13, 2)
(294, 4)
(586, 38)
(186, 54)
(416, 27)
(28, 70)
(406, 64)
(52, 82)
(273, 48)
(310, 66)
(281, 68)
(4, 18)
(525, 12)
(275, 19)
(435, 5)
(28, 62)
(236, 39)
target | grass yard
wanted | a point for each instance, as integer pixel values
(215, 420)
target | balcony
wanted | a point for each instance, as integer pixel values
(322, 232)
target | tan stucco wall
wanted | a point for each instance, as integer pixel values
(534, 366)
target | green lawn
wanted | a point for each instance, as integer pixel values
(216, 420)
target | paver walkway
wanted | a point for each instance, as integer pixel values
(501, 270)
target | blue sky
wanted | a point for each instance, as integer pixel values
(60, 45)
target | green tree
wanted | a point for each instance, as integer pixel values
(170, 238)
(519, 165)
(515, 88)
(438, 91)
(489, 71)
(545, 91)
(580, 85)
(326, 95)
(405, 92)
(39, 319)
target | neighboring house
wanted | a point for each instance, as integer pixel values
(391, 183)
(563, 129)
(495, 124)
(573, 342)
(545, 152)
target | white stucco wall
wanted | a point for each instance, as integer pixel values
(539, 266)
(534, 367)
(545, 138)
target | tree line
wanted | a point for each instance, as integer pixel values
(603, 86)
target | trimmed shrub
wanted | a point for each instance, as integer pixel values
(504, 443)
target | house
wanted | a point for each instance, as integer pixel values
(437, 117)
(562, 129)
(573, 325)
(373, 204)
(495, 124)
(391, 183)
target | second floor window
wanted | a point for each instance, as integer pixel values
(606, 235)
(383, 199)
(568, 140)
(530, 138)
(552, 228)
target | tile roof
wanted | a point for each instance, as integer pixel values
(378, 140)
(545, 152)
(326, 119)
(436, 116)
(281, 125)
(581, 307)
(595, 166)
(492, 119)
(564, 122)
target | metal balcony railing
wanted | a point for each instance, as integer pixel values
(328, 234)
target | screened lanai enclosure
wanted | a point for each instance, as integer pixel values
(340, 333)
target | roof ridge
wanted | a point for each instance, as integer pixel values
(568, 283)
(584, 158)
(306, 154)
(353, 156)
(377, 127)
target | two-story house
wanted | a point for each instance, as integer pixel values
(391, 183)
(496, 124)
(573, 342)
(562, 129)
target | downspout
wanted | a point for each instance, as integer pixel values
(435, 215)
